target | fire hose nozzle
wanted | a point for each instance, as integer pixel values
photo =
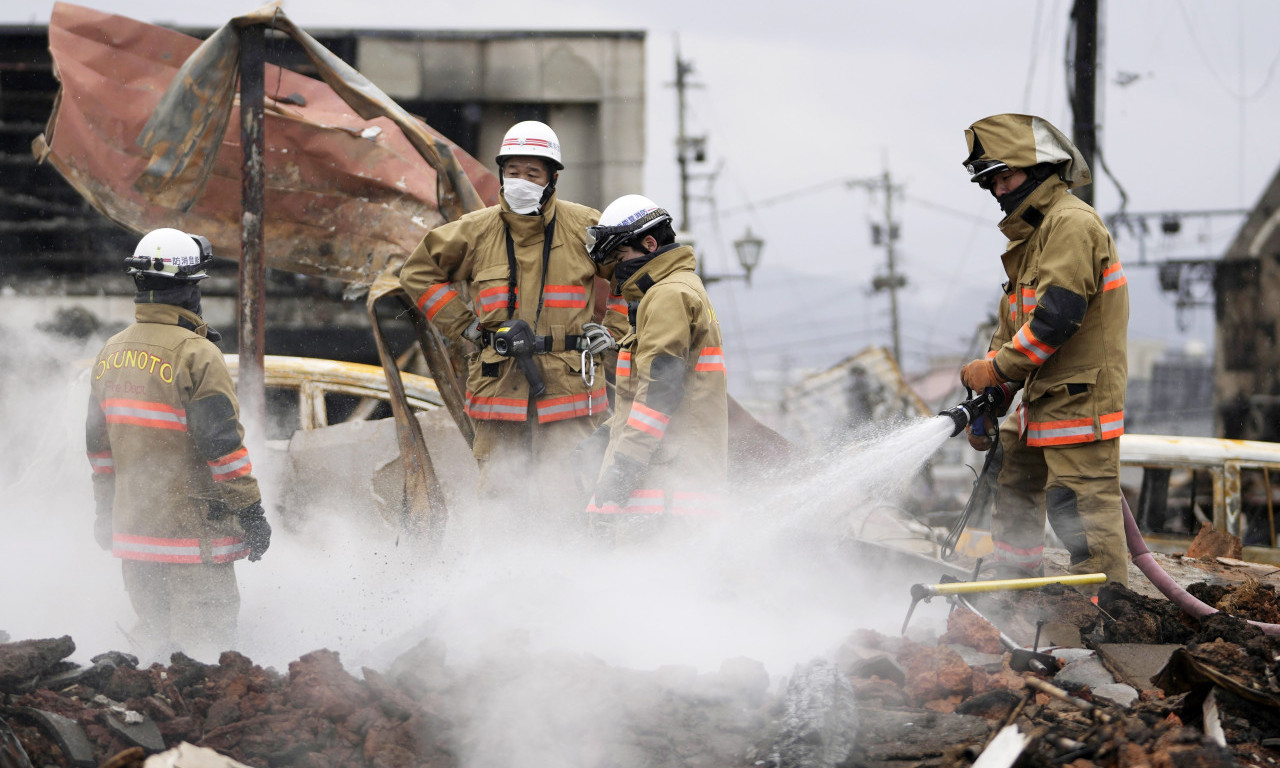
(960, 416)
(992, 400)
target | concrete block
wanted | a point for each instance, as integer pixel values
(1090, 672)
(1136, 663)
(1121, 694)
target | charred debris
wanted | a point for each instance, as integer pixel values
(1129, 680)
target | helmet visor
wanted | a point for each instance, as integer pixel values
(983, 172)
(603, 241)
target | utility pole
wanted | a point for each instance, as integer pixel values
(886, 233)
(1084, 15)
(688, 148)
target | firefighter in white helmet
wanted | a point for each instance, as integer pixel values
(1061, 339)
(667, 442)
(176, 498)
(528, 305)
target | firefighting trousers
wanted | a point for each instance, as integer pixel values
(526, 475)
(183, 607)
(1077, 487)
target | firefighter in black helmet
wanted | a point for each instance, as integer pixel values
(1061, 338)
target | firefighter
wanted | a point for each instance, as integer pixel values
(1061, 338)
(176, 498)
(533, 390)
(667, 441)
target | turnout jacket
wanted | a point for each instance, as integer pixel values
(1063, 320)
(676, 426)
(164, 439)
(473, 251)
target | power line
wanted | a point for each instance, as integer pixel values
(1204, 58)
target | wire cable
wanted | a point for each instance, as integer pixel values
(1204, 58)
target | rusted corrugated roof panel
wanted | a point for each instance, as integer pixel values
(346, 197)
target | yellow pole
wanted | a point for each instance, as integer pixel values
(970, 587)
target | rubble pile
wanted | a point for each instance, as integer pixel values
(419, 714)
(1145, 685)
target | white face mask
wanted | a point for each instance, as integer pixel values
(523, 196)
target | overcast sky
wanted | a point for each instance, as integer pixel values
(795, 97)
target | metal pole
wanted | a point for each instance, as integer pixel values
(682, 68)
(251, 387)
(1084, 102)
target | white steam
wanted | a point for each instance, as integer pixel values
(768, 583)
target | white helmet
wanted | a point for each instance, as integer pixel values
(171, 253)
(531, 139)
(625, 220)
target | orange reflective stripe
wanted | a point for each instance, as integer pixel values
(991, 354)
(567, 296)
(495, 298)
(1112, 425)
(228, 549)
(646, 419)
(496, 408)
(711, 359)
(1113, 277)
(434, 298)
(102, 463)
(1028, 300)
(1027, 558)
(1067, 432)
(644, 501)
(616, 304)
(231, 466)
(164, 550)
(1027, 343)
(1013, 308)
(572, 406)
(154, 549)
(141, 413)
(624, 363)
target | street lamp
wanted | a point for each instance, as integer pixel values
(748, 247)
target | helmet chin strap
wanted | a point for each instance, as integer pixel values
(549, 190)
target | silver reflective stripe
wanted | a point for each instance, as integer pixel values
(145, 413)
(1039, 433)
(576, 404)
(492, 408)
(220, 470)
(647, 420)
(229, 549)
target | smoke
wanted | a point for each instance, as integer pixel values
(54, 580)
(524, 619)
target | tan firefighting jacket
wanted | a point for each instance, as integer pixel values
(474, 250)
(686, 449)
(1063, 320)
(164, 439)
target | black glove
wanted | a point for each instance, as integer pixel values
(102, 531)
(587, 457)
(617, 481)
(257, 532)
